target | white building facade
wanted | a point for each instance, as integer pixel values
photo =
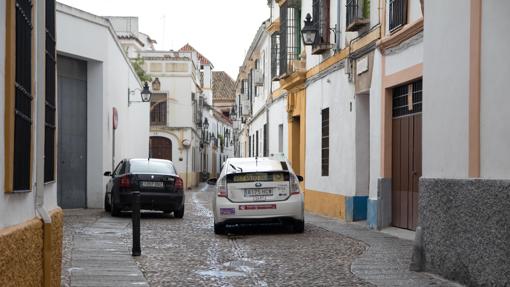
(100, 123)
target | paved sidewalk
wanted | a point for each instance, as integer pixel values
(100, 258)
(387, 260)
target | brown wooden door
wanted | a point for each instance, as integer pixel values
(406, 155)
(160, 147)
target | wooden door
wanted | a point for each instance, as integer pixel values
(161, 148)
(406, 154)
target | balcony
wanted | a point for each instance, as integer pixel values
(358, 12)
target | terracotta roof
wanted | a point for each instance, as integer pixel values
(189, 48)
(223, 87)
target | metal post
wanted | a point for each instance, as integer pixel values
(135, 218)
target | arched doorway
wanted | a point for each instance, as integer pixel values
(160, 147)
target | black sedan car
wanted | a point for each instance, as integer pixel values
(157, 180)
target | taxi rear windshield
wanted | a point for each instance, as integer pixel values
(257, 176)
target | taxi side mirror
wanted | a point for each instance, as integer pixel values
(300, 178)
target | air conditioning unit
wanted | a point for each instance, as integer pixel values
(258, 78)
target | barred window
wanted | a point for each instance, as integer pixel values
(398, 14)
(407, 99)
(158, 113)
(321, 20)
(50, 113)
(18, 95)
(325, 143)
(275, 56)
(290, 34)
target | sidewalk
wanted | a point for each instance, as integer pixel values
(387, 260)
(101, 258)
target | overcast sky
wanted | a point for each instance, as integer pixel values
(222, 30)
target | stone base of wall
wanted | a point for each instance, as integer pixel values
(323, 203)
(379, 209)
(466, 229)
(356, 208)
(21, 246)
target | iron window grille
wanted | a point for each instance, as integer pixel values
(275, 56)
(266, 141)
(321, 21)
(50, 109)
(407, 99)
(23, 96)
(325, 143)
(158, 113)
(290, 31)
(397, 14)
(357, 14)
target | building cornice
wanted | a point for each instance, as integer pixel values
(295, 81)
(274, 26)
(407, 32)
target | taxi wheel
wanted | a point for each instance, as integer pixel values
(219, 228)
(299, 226)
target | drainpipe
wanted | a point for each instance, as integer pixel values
(39, 134)
(338, 21)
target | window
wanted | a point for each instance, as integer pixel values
(358, 14)
(321, 22)
(398, 13)
(257, 143)
(280, 138)
(290, 34)
(158, 113)
(266, 141)
(50, 113)
(407, 99)
(275, 56)
(18, 95)
(325, 142)
(249, 146)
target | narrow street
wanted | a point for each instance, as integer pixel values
(186, 252)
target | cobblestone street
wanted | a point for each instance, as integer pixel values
(186, 252)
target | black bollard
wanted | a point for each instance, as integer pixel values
(135, 218)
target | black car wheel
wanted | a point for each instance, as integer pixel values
(179, 213)
(219, 228)
(113, 208)
(299, 226)
(107, 206)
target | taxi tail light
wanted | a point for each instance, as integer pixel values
(125, 182)
(178, 183)
(294, 185)
(222, 188)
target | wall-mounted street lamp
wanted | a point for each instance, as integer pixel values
(310, 31)
(145, 94)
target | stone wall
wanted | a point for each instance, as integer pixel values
(21, 246)
(466, 229)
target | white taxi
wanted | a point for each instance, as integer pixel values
(257, 190)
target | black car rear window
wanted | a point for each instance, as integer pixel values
(150, 166)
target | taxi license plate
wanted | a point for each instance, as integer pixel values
(153, 184)
(258, 192)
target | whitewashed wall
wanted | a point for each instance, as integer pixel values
(446, 90)
(375, 125)
(333, 91)
(278, 116)
(109, 77)
(16, 208)
(495, 101)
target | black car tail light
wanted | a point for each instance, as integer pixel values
(178, 183)
(125, 182)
